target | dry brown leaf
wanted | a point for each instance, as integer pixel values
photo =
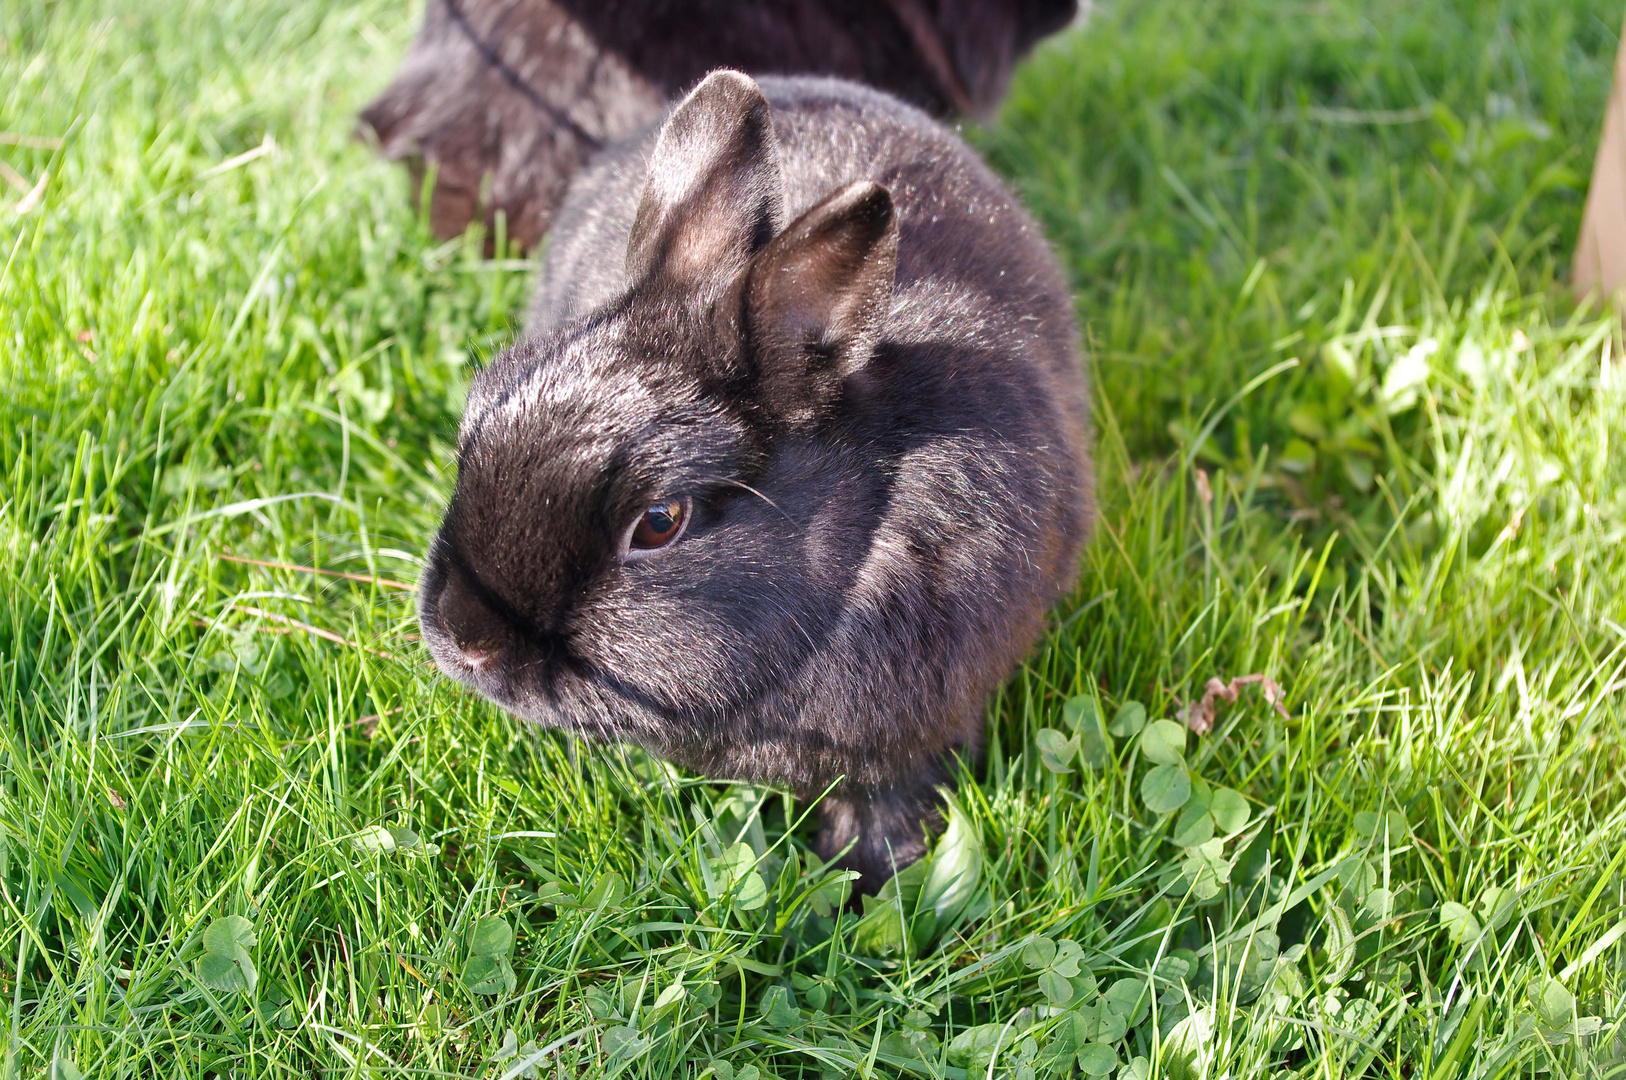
(369, 724)
(289, 625)
(383, 583)
(33, 142)
(14, 178)
(32, 199)
(1199, 715)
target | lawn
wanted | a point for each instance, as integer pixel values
(1354, 437)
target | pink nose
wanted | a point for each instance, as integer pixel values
(475, 630)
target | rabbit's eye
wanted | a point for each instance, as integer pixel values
(659, 525)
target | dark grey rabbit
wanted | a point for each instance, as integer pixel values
(509, 98)
(791, 466)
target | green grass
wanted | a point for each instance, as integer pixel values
(1352, 435)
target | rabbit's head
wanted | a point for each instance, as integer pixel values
(611, 561)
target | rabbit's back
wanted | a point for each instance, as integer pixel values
(980, 349)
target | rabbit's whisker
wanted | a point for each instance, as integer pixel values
(752, 490)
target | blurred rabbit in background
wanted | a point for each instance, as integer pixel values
(506, 99)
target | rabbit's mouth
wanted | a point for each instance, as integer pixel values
(534, 676)
(564, 698)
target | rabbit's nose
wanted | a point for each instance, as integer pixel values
(475, 656)
(475, 629)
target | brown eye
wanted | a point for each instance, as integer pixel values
(659, 525)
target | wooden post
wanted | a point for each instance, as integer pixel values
(1600, 256)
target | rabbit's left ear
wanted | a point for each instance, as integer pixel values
(816, 299)
(715, 190)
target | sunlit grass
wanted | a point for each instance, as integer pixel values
(1352, 437)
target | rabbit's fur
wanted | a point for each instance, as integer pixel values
(520, 93)
(814, 311)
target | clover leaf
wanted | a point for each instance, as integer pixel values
(1128, 720)
(1555, 1004)
(64, 1069)
(1164, 743)
(1229, 809)
(1056, 751)
(1497, 904)
(606, 893)
(1204, 813)
(622, 1043)
(492, 937)
(488, 969)
(1130, 998)
(778, 1008)
(974, 1048)
(1097, 1059)
(1165, 789)
(1195, 826)
(1056, 987)
(226, 964)
(737, 873)
(1062, 977)
(1080, 713)
(1459, 923)
(1094, 744)
(1094, 748)
(1370, 823)
(1038, 952)
(1207, 869)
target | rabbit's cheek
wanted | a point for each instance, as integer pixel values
(669, 655)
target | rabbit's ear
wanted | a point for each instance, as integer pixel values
(816, 299)
(715, 192)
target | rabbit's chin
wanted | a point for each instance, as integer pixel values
(566, 701)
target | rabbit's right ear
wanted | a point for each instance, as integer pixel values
(816, 299)
(715, 192)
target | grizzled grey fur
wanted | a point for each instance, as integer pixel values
(812, 310)
(518, 94)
